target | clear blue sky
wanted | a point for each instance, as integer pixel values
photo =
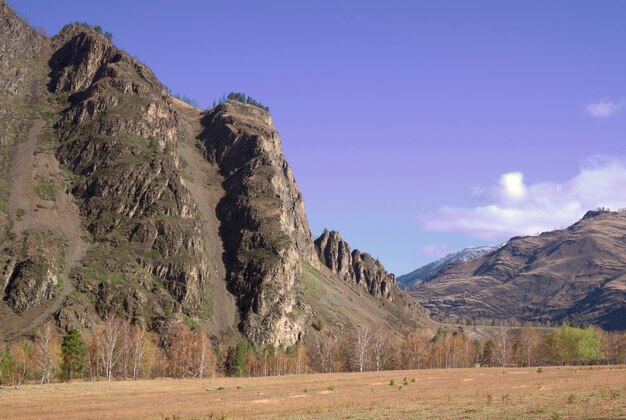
(401, 119)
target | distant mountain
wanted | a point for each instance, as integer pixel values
(575, 275)
(429, 271)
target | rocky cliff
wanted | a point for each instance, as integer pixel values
(354, 267)
(264, 227)
(117, 198)
(575, 275)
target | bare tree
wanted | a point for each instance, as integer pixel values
(300, 359)
(110, 344)
(502, 347)
(322, 352)
(527, 341)
(204, 355)
(381, 347)
(140, 347)
(359, 348)
(46, 352)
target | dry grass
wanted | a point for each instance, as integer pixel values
(598, 392)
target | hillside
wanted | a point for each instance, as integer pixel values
(116, 198)
(430, 270)
(575, 275)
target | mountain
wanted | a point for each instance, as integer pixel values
(117, 198)
(430, 270)
(573, 275)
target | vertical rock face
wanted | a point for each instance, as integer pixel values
(370, 273)
(264, 227)
(119, 136)
(354, 267)
(335, 254)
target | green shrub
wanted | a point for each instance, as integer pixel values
(46, 189)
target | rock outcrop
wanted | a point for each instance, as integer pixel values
(264, 227)
(19, 46)
(354, 267)
(119, 136)
(32, 273)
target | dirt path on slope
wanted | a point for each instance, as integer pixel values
(204, 183)
(60, 216)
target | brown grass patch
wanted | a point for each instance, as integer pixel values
(599, 392)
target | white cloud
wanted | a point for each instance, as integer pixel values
(513, 208)
(603, 108)
(512, 184)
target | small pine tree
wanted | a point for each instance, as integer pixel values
(98, 29)
(73, 350)
(108, 35)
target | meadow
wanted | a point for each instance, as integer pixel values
(550, 392)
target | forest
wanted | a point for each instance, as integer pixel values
(118, 350)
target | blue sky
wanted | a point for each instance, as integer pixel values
(415, 128)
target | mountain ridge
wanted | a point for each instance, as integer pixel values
(130, 202)
(573, 275)
(430, 270)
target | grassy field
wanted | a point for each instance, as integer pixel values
(557, 393)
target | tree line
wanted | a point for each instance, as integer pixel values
(108, 35)
(118, 350)
(240, 97)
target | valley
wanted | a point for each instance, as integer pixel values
(557, 392)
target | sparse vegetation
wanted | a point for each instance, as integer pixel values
(240, 97)
(182, 97)
(443, 394)
(108, 35)
(207, 305)
(46, 189)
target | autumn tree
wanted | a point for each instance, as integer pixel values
(180, 351)
(22, 354)
(414, 349)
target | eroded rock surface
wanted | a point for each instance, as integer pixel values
(354, 266)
